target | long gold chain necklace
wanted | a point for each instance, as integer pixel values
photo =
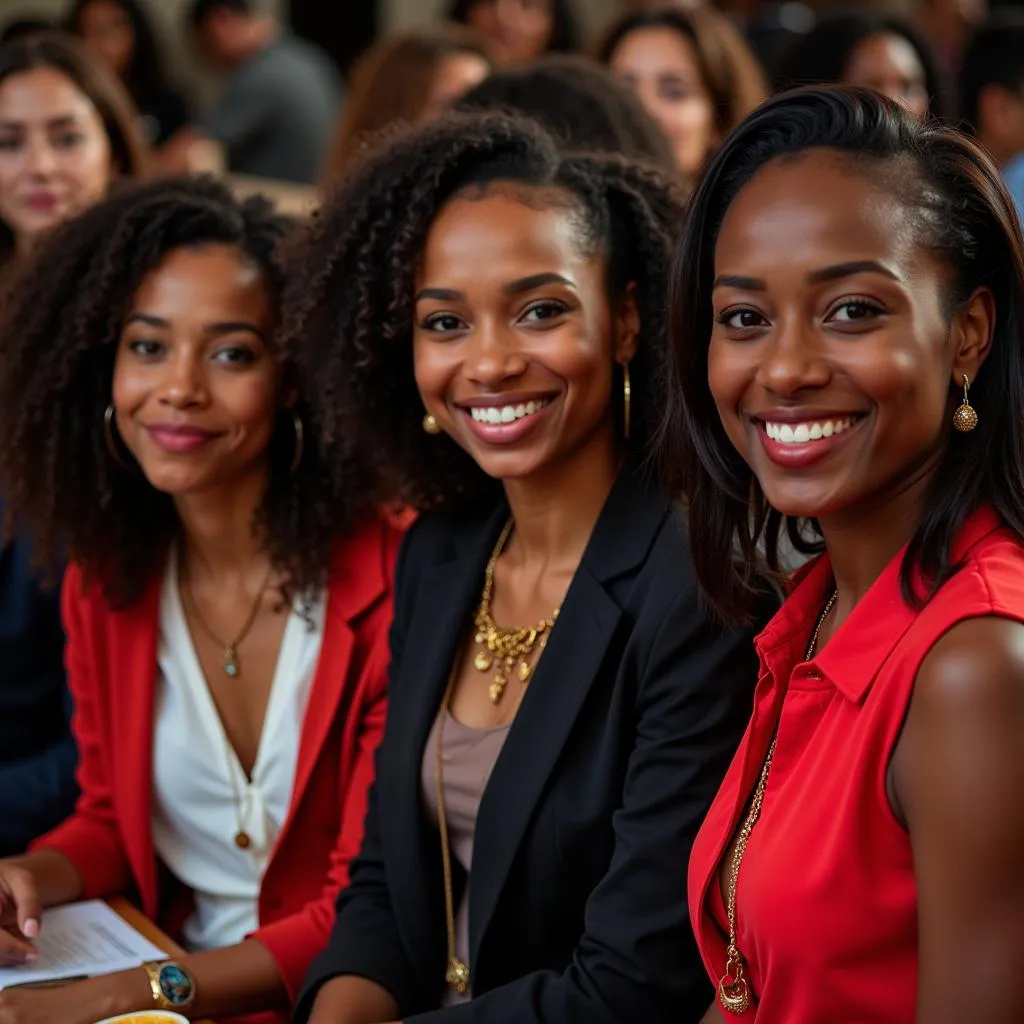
(230, 661)
(733, 987)
(501, 648)
(456, 973)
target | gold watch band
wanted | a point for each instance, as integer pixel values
(153, 973)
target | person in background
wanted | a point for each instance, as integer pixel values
(119, 33)
(67, 131)
(276, 113)
(948, 24)
(226, 610)
(580, 103)
(692, 71)
(874, 51)
(847, 356)
(408, 77)
(517, 32)
(24, 27)
(561, 706)
(992, 90)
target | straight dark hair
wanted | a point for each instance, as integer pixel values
(967, 220)
(104, 90)
(821, 56)
(144, 77)
(564, 34)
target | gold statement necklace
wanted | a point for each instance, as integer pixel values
(501, 648)
(733, 987)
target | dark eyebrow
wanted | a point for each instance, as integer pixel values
(149, 321)
(841, 270)
(527, 284)
(233, 327)
(747, 284)
(833, 273)
(221, 327)
(440, 294)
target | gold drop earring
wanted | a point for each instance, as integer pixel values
(430, 424)
(965, 419)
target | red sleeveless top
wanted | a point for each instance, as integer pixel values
(826, 904)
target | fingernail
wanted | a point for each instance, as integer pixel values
(31, 929)
(29, 957)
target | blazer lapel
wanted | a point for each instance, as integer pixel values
(358, 580)
(132, 642)
(564, 676)
(448, 593)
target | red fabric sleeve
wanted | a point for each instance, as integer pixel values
(90, 838)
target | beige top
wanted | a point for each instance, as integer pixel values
(468, 759)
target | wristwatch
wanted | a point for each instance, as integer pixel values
(172, 986)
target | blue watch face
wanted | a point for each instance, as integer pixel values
(176, 985)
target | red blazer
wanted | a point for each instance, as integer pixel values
(112, 668)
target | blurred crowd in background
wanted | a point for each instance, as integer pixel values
(667, 80)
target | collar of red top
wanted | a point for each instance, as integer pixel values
(854, 655)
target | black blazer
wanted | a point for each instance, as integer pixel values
(578, 889)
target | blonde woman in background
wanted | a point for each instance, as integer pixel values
(408, 77)
(692, 70)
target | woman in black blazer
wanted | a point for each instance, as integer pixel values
(516, 297)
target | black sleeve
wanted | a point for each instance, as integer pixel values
(365, 940)
(637, 959)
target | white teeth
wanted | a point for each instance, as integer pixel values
(802, 433)
(505, 413)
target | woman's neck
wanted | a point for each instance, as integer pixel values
(218, 537)
(555, 511)
(862, 541)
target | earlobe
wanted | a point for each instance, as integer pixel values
(627, 326)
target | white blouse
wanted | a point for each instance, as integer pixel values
(196, 810)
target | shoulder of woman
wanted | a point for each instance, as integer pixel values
(974, 666)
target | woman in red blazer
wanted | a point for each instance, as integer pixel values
(227, 614)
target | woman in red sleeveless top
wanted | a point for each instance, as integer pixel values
(849, 365)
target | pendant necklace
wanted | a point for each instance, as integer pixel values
(230, 662)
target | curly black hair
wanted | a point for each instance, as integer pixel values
(348, 309)
(61, 326)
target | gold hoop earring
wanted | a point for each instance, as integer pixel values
(430, 424)
(965, 419)
(300, 443)
(627, 400)
(108, 436)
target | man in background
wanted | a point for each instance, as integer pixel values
(992, 86)
(276, 113)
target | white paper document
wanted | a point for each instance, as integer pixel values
(82, 939)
